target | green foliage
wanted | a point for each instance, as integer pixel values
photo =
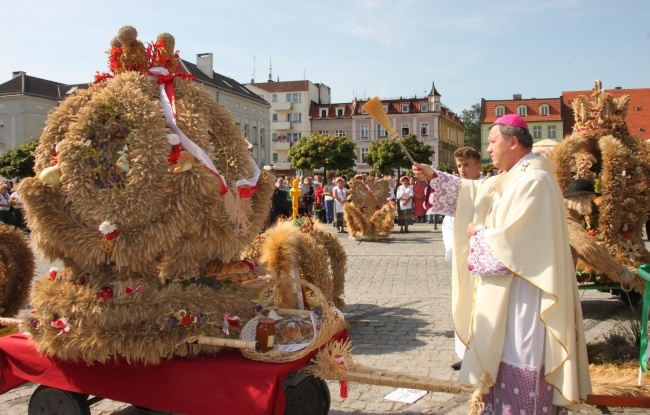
(445, 169)
(420, 152)
(328, 152)
(387, 155)
(472, 122)
(19, 162)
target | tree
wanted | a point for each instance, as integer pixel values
(19, 162)
(329, 152)
(472, 122)
(387, 155)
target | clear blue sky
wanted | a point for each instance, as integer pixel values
(472, 49)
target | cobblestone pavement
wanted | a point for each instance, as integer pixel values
(399, 314)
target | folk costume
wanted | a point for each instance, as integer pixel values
(520, 314)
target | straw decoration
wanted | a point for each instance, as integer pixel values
(334, 362)
(376, 110)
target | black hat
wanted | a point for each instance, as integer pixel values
(580, 187)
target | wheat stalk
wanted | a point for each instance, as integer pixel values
(375, 109)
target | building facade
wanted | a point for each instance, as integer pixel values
(426, 117)
(250, 111)
(25, 102)
(543, 116)
(289, 116)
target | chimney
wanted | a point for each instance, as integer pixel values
(516, 97)
(204, 63)
(16, 74)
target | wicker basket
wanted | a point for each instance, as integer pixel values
(332, 322)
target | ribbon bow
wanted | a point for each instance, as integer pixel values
(343, 389)
(62, 325)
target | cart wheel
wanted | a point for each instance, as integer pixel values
(309, 397)
(52, 401)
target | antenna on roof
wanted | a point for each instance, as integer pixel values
(304, 74)
(270, 70)
(253, 79)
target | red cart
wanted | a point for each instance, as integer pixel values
(225, 383)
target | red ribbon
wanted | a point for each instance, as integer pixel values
(99, 77)
(343, 384)
(168, 81)
(247, 192)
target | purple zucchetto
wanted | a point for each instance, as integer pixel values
(512, 119)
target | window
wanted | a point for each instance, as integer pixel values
(385, 108)
(275, 157)
(323, 113)
(537, 131)
(543, 109)
(340, 112)
(294, 117)
(323, 132)
(294, 137)
(501, 110)
(275, 117)
(275, 97)
(406, 129)
(522, 110)
(274, 137)
(364, 153)
(365, 128)
(262, 140)
(381, 131)
(295, 97)
(405, 108)
(424, 108)
(246, 130)
(552, 131)
(424, 129)
(363, 110)
(340, 133)
(254, 136)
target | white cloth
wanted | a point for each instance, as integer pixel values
(340, 194)
(16, 197)
(405, 191)
(448, 237)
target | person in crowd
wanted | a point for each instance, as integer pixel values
(405, 197)
(319, 202)
(5, 204)
(307, 197)
(432, 218)
(279, 183)
(340, 194)
(16, 210)
(419, 188)
(521, 319)
(329, 199)
(468, 163)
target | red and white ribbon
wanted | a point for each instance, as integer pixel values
(343, 383)
(166, 84)
(251, 183)
(62, 325)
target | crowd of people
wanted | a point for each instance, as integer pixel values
(11, 207)
(324, 198)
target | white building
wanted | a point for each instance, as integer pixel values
(290, 105)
